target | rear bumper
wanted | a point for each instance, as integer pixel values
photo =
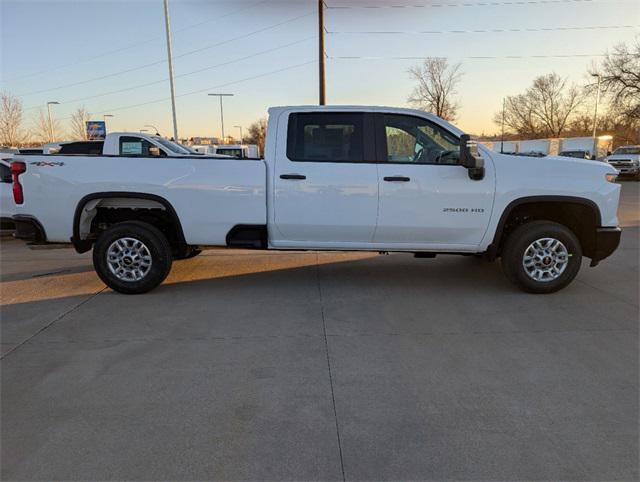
(607, 240)
(29, 229)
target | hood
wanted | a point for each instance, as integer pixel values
(553, 165)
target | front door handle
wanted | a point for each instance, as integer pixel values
(292, 176)
(397, 179)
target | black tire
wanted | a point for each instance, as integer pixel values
(191, 253)
(522, 238)
(156, 245)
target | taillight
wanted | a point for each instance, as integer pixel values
(17, 168)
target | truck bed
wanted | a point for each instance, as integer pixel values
(210, 196)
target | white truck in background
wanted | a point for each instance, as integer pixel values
(239, 151)
(626, 160)
(332, 178)
(127, 144)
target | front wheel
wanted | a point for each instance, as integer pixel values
(541, 257)
(132, 257)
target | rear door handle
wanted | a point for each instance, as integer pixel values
(397, 179)
(292, 176)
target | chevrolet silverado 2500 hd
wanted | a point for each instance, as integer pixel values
(333, 178)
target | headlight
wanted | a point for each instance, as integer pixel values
(611, 177)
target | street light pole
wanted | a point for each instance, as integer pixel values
(240, 127)
(104, 118)
(222, 111)
(51, 134)
(595, 118)
(154, 128)
(170, 58)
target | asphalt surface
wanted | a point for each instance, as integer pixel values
(319, 366)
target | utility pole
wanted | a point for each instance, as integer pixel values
(170, 58)
(221, 111)
(321, 54)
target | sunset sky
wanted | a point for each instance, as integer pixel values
(110, 56)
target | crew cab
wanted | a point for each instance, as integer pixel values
(332, 178)
(626, 160)
(126, 144)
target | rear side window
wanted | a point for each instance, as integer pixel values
(325, 137)
(134, 146)
(87, 147)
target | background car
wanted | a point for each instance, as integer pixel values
(578, 154)
(626, 160)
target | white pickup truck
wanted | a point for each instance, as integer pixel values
(333, 178)
(127, 144)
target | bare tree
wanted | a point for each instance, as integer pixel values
(42, 131)
(11, 132)
(436, 89)
(544, 110)
(79, 121)
(257, 133)
(620, 79)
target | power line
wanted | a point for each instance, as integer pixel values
(199, 91)
(443, 5)
(144, 66)
(473, 57)
(210, 67)
(493, 30)
(129, 46)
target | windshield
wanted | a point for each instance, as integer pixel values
(627, 150)
(172, 146)
(572, 154)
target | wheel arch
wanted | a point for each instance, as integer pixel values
(545, 202)
(82, 245)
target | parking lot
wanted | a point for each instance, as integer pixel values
(319, 366)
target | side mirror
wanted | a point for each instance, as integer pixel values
(154, 151)
(470, 158)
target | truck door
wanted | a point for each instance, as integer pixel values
(426, 197)
(325, 191)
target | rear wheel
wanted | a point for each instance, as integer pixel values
(132, 257)
(541, 257)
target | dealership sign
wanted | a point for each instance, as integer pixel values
(96, 130)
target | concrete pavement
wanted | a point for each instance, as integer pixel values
(319, 366)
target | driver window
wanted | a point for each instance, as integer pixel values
(415, 140)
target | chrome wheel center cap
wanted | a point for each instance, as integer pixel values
(129, 259)
(545, 259)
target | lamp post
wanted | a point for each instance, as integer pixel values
(595, 117)
(104, 118)
(221, 111)
(154, 128)
(239, 127)
(51, 134)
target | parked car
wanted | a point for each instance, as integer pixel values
(626, 160)
(580, 154)
(333, 178)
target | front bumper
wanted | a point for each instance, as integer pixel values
(29, 229)
(607, 240)
(626, 169)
